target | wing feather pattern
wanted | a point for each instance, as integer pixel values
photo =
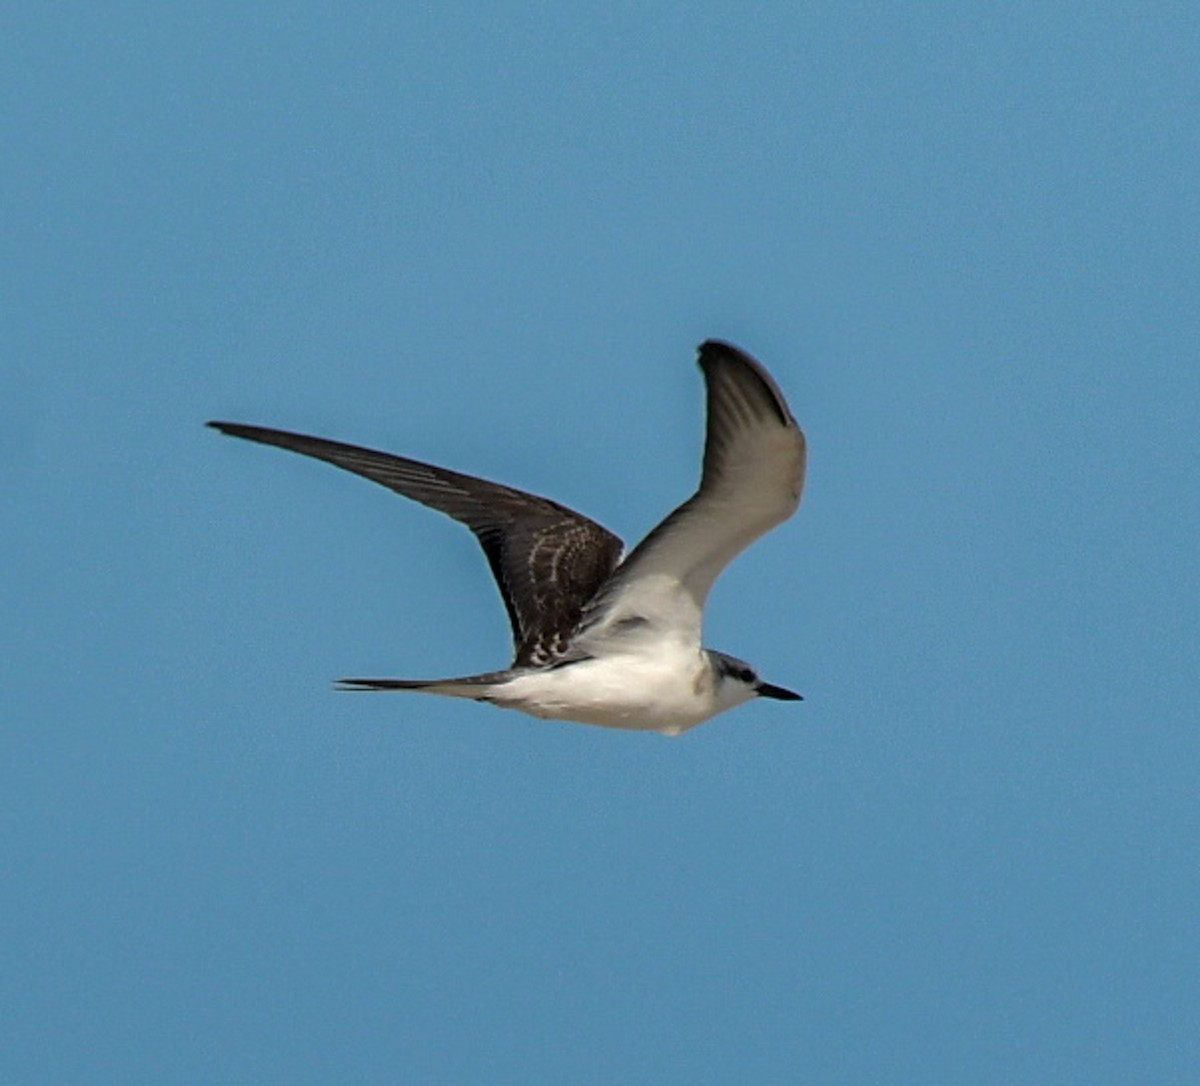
(548, 560)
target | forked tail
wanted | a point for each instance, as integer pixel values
(477, 687)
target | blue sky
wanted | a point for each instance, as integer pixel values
(964, 239)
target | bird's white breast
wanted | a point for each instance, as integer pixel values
(668, 690)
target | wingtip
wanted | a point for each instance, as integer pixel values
(712, 348)
(241, 429)
(715, 352)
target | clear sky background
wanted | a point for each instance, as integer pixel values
(964, 239)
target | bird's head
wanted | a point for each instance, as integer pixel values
(738, 682)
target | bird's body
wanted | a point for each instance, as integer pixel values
(655, 686)
(601, 640)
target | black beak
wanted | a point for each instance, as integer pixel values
(766, 690)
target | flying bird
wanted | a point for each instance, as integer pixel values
(602, 638)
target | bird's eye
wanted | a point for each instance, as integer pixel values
(746, 675)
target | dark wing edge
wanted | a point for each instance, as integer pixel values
(548, 561)
(743, 404)
(740, 393)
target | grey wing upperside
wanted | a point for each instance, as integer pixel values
(548, 560)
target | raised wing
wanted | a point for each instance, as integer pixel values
(548, 561)
(754, 460)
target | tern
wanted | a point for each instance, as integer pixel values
(602, 638)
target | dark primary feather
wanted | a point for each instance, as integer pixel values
(741, 394)
(548, 560)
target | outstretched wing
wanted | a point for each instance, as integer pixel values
(548, 561)
(754, 460)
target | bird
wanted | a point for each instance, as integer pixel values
(602, 637)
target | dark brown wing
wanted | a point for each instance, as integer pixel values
(548, 561)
